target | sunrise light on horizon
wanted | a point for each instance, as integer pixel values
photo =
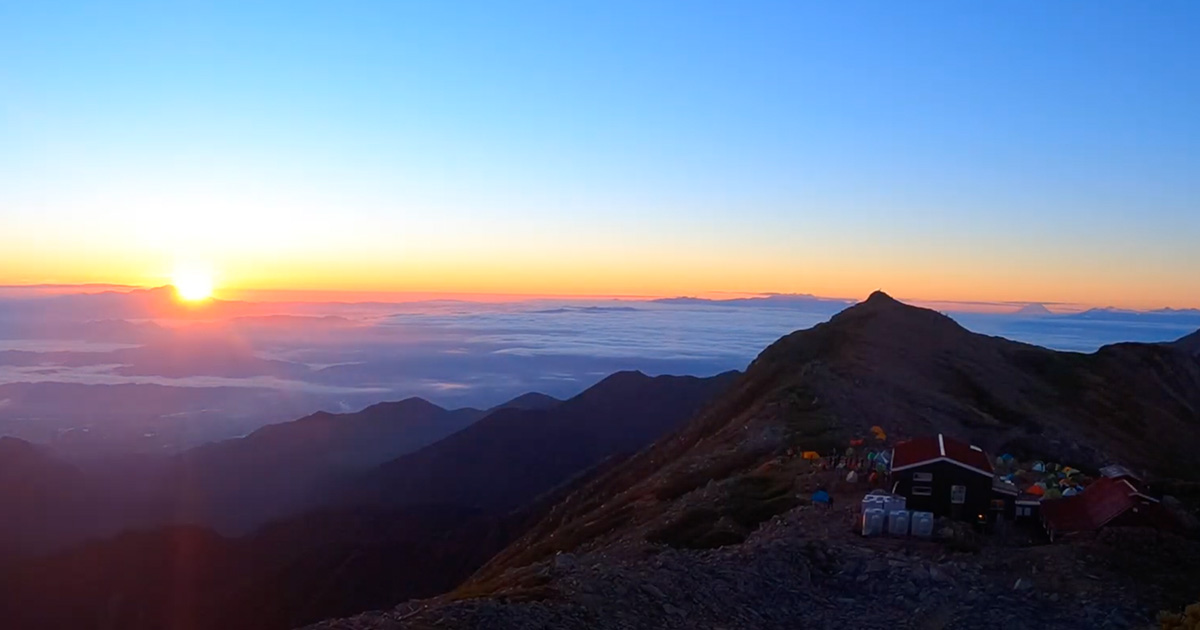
(430, 149)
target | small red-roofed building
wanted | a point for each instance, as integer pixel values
(1107, 502)
(945, 476)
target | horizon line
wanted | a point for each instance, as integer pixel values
(352, 296)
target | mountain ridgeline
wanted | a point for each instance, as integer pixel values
(1190, 344)
(353, 549)
(232, 486)
(281, 469)
(513, 455)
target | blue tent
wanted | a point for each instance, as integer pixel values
(820, 496)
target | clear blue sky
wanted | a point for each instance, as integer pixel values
(1018, 150)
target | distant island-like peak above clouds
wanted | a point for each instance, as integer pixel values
(1033, 309)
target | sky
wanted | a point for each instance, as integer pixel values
(1017, 151)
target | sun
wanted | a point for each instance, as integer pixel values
(193, 284)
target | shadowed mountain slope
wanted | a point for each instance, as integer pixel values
(285, 468)
(341, 561)
(1190, 343)
(40, 497)
(232, 485)
(508, 458)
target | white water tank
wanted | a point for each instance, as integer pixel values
(897, 522)
(883, 501)
(921, 524)
(873, 520)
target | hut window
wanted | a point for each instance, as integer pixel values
(922, 476)
(923, 491)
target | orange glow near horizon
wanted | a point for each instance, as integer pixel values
(371, 275)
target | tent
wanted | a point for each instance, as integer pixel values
(1039, 467)
(820, 496)
(811, 455)
(1036, 490)
(852, 477)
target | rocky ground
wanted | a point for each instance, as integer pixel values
(784, 577)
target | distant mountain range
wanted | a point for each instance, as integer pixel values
(1033, 310)
(1186, 315)
(511, 456)
(783, 300)
(279, 469)
(232, 485)
(458, 497)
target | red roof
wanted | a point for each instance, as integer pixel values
(918, 451)
(1101, 502)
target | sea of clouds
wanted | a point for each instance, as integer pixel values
(258, 363)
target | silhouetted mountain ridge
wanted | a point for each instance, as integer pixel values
(513, 455)
(42, 498)
(1190, 343)
(340, 561)
(284, 468)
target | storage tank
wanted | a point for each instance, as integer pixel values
(897, 522)
(873, 520)
(883, 501)
(921, 524)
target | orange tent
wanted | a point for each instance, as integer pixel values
(1036, 490)
(810, 455)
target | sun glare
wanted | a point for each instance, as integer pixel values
(193, 285)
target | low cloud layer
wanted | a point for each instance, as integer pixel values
(244, 364)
